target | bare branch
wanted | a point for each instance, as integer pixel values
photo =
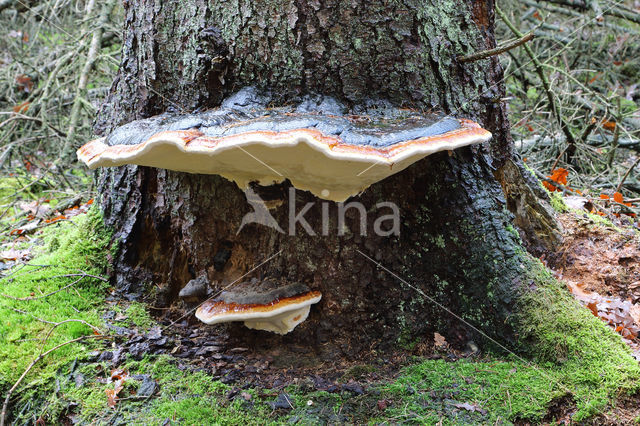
(498, 50)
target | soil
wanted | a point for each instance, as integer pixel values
(601, 258)
(603, 261)
(234, 355)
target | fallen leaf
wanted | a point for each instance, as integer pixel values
(13, 254)
(634, 312)
(470, 407)
(35, 207)
(56, 218)
(617, 197)
(439, 341)
(24, 83)
(22, 107)
(383, 404)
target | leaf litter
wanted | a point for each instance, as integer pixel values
(601, 267)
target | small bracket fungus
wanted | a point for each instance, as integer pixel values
(313, 144)
(261, 305)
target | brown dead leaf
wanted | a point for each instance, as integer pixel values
(24, 83)
(118, 376)
(112, 396)
(35, 207)
(439, 341)
(22, 107)
(14, 254)
(634, 312)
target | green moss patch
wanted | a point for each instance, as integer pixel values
(482, 391)
(182, 396)
(74, 247)
(590, 360)
(571, 356)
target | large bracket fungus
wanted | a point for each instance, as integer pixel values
(317, 144)
(261, 305)
(313, 144)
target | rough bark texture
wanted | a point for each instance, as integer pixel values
(456, 243)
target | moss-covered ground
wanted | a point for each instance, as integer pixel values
(72, 251)
(576, 359)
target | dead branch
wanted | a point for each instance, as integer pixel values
(545, 83)
(612, 10)
(498, 50)
(92, 55)
(20, 311)
(17, 115)
(5, 405)
(95, 329)
(626, 175)
(83, 275)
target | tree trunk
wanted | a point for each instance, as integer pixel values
(456, 245)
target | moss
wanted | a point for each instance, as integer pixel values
(183, 396)
(320, 407)
(513, 231)
(557, 202)
(590, 360)
(578, 358)
(498, 391)
(600, 220)
(135, 316)
(69, 247)
(357, 372)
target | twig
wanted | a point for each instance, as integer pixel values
(20, 311)
(547, 86)
(94, 328)
(612, 11)
(4, 4)
(26, 371)
(59, 290)
(498, 50)
(92, 55)
(17, 115)
(616, 136)
(587, 130)
(55, 324)
(555, 163)
(575, 14)
(633, 166)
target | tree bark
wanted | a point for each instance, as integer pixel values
(456, 242)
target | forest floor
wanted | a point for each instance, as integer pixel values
(123, 362)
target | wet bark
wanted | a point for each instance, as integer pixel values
(456, 243)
